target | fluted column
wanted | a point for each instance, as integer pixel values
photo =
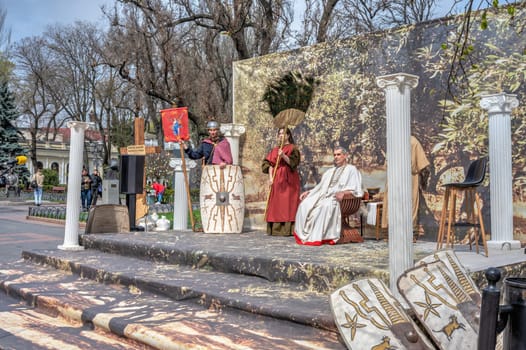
(180, 194)
(499, 108)
(76, 151)
(233, 132)
(398, 111)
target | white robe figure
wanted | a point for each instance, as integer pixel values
(318, 219)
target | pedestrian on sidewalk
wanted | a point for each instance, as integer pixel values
(37, 183)
(85, 189)
(159, 191)
(96, 182)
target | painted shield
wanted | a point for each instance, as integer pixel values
(446, 311)
(458, 272)
(222, 199)
(369, 317)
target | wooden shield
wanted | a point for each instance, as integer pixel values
(369, 317)
(222, 199)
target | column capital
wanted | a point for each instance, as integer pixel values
(75, 124)
(399, 80)
(499, 103)
(233, 130)
(177, 164)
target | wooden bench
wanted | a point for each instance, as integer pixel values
(58, 189)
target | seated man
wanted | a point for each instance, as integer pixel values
(318, 219)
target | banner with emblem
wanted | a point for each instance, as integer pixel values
(175, 124)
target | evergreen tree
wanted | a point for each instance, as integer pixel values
(10, 137)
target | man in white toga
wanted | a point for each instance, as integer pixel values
(318, 219)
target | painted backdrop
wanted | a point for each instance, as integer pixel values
(348, 109)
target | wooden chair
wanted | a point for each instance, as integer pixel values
(378, 223)
(474, 178)
(349, 206)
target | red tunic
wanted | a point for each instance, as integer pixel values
(285, 194)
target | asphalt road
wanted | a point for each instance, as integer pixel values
(18, 234)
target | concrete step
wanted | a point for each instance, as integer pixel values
(148, 318)
(253, 294)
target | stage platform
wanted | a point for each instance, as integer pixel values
(214, 291)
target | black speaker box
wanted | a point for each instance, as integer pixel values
(131, 174)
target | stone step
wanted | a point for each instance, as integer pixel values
(152, 319)
(26, 327)
(253, 294)
(278, 259)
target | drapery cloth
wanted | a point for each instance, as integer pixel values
(318, 220)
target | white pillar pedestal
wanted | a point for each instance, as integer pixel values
(76, 151)
(398, 111)
(499, 108)
(233, 132)
(180, 197)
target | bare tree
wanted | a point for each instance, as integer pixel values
(36, 103)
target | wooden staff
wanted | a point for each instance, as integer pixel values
(187, 185)
(275, 170)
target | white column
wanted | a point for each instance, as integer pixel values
(76, 149)
(398, 111)
(233, 132)
(499, 108)
(180, 195)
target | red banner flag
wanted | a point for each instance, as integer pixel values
(175, 124)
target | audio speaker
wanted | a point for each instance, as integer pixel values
(131, 174)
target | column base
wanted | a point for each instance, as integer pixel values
(504, 245)
(70, 247)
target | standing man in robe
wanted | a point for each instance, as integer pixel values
(419, 176)
(318, 220)
(215, 150)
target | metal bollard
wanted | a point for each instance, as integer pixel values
(489, 311)
(494, 318)
(515, 298)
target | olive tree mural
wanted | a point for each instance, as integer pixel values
(348, 109)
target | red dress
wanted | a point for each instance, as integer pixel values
(285, 194)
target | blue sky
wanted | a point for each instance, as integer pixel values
(30, 17)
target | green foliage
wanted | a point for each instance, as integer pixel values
(10, 137)
(50, 178)
(290, 91)
(121, 132)
(168, 195)
(484, 21)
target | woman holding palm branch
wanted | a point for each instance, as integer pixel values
(281, 164)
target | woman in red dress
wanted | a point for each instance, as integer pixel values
(284, 185)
